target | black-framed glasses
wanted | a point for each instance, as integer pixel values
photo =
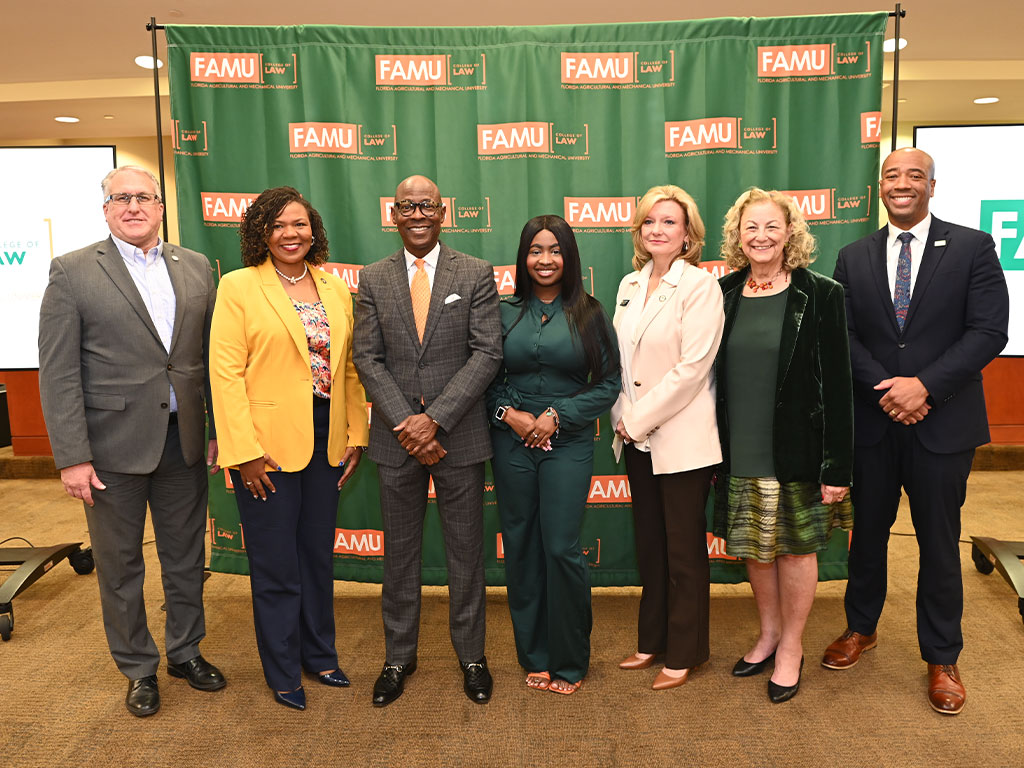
(125, 198)
(427, 207)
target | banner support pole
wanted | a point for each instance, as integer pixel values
(152, 28)
(899, 13)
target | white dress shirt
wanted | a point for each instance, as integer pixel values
(893, 246)
(429, 264)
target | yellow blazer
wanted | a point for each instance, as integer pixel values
(671, 354)
(260, 371)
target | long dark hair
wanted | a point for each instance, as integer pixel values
(583, 312)
(259, 218)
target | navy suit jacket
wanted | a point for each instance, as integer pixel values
(956, 324)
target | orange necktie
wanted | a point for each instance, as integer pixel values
(420, 289)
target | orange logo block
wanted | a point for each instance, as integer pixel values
(225, 206)
(598, 68)
(503, 138)
(411, 70)
(367, 542)
(338, 138)
(705, 133)
(794, 60)
(609, 489)
(814, 204)
(870, 127)
(716, 268)
(225, 67)
(599, 211)
(716, 548)
(505, 279)
(347, 272)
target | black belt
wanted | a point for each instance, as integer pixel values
(321, 402)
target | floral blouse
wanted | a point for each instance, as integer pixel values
(318, 338)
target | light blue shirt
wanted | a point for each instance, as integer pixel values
(149, 273)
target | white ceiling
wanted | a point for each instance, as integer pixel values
(74, 57)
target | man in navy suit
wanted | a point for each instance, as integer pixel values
(927, 309)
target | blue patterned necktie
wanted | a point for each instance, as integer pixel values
(901, 296)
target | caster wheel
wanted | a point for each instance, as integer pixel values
(6, 626)
(982, 563)
(82, 561)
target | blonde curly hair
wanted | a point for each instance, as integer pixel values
(694, 223)
(801, 245)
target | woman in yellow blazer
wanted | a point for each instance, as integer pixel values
(668, 317)
(292, 423)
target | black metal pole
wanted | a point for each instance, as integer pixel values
(153, 27)
(899, 14)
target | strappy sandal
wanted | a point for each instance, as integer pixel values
(564, 687)
(538, 680)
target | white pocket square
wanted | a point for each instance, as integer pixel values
(451, 298)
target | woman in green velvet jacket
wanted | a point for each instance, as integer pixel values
(785, 419)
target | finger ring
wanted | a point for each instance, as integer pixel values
(892, 412)
(535, 434)
(249, 483)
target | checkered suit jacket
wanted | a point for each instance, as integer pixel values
(448, 372)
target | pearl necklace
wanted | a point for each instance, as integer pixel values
(755, 286)
(294, 280)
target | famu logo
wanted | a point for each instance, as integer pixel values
(826, 206)
(870, 128)
(244, 70)
(721, 135)
(433, 72)
(812, 62)
(460, 214)
(609, 489)
(192, 141)
(717, 268)
(505, 279)
(600, 214)
(347, 272)
(1004, 220)
(716, 548)
(366, 542)
(505, 141)
(341, 140)
(224, 208)
(618, 69)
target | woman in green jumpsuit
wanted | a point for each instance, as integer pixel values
(560, 373)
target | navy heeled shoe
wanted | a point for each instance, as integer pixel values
(295, 699)
(335, 678)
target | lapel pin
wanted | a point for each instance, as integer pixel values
(662, 297)
(174, 257)
(939, 243)
(624, 302)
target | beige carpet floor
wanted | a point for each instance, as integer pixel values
(61, 698)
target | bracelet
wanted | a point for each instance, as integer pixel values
(554, 415)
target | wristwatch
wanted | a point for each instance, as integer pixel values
(500, 413)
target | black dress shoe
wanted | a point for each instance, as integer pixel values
(335, 678)
(477, 682)
(746, 668)
(143, 698)
(780, 693)
(200, 673)
(391, 683)
(295, 699)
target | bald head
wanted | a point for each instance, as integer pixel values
(907, 186)
(419, 231)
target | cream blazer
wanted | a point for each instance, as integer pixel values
(260, 371)
(672, 352)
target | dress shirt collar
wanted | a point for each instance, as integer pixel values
(430, 259)
(919, 231)
(131, 252)
(672, 277)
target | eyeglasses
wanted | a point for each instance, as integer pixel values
(125, 198)
(427, 207)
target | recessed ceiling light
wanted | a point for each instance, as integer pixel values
(108, 117)
(901, 101)
(986, 100)
(66, 119)
(146, 62)
(890, 45)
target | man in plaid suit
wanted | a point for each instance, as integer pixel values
(427, 342)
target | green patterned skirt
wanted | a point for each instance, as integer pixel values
(763, 518)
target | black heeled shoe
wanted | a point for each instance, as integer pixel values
(335, 678)
(780, 693)
(746, 668)
(295, 699)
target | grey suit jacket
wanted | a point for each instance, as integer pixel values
(449, 371)
(104, 375)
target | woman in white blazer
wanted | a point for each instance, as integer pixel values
(669, 319)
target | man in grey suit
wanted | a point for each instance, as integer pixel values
(427, 342)
(123, 333)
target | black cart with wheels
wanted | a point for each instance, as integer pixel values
(34, 562)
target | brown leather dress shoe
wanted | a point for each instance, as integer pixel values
(636, 661)
(845, 651)
(663, 682)
(946, 691)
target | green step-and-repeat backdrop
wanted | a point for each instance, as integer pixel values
(513, 122)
